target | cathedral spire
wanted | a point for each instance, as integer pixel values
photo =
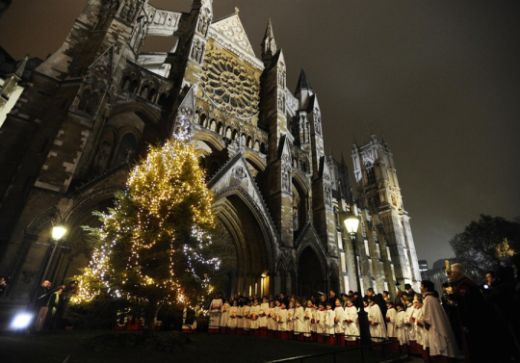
(304, 91)
(269, 47)
(303, 83)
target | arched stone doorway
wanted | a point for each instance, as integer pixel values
(310, 273)
(244, 247)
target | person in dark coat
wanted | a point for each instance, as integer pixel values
(476, 320)
(40, 303)
(332, 297)
(56, 307)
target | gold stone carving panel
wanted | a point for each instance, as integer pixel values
(230, 83)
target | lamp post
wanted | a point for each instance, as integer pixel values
(57, 233)
(352, 226)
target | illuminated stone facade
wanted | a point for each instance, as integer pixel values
(93, 107)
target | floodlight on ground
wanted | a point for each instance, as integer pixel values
(21, 321)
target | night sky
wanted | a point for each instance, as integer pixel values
(440, 80)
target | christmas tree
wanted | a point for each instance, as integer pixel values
(152, 246)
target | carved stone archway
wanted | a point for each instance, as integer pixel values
(248, 249)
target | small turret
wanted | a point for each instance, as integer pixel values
(269, 47)
(303, 89)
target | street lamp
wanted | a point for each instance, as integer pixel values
(57, 233)
(352, 226)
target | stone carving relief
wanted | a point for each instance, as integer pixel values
(286, 174)
(204, 22)
(281, 79)
(129, 10)
(197, 50)
(281, 101)
(104, 153)
(369, 159)
(232, 29)
(229, 84)
(317, 121)
(106, 11)
(239, 172)
(328, 195)
(96, 83)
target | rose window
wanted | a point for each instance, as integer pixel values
(229, 84)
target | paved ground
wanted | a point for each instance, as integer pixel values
(90, 347)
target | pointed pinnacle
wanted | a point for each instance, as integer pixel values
(303, 83)
(21, 68)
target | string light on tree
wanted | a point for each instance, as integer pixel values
(153, 245)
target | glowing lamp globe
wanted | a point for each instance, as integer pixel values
(352, 224)
(58, 232)
(21, 321)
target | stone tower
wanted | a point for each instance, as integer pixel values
(379, 193)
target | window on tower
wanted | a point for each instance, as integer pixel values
(371, 175)
(367, 249)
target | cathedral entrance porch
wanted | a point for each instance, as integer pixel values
(244, 247)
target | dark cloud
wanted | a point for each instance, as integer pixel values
(438, 79)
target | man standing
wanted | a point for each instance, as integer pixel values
(40, 304)
(438, 338)
(215, 312)
(469, 304)
(56, 307)
(332, 297)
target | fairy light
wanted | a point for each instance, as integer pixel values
(160, 223)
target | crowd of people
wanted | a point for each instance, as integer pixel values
(467, 320)
(458, 324)
(412, 322)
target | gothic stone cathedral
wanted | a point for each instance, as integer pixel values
(93, 106)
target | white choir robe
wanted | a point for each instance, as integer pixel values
(408, 315)
(391, 314)
(282, 319)
(320, 319)
(352, 328)
(419, 330)
(233, 320)
(224, 316)
(290, 320)
(240, 317)
(401, 331)
(299, 320)
(253, 321)
(329, 322)
(276, 313)
(214, 313)
(438, 336)
(339, 317)
(314, 322)
(262, 315)
(378, 331)
(271, 323)
(307, 321)
(246, 310)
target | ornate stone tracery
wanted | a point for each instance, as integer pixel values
(229, 84)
